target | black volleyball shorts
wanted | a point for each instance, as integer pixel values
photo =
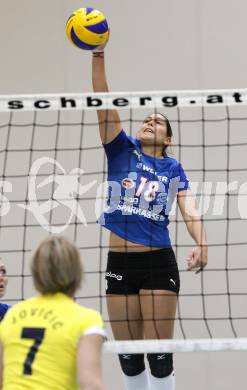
(128, 272)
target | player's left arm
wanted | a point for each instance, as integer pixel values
(198, 257)
(89, 370)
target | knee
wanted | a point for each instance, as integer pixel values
(161, 365)
(132, 364)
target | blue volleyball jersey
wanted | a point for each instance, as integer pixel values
(3, 310)
(141, 191)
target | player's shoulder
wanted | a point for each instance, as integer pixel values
(119, 146)
(93, 314)
(84, 311)
(122, 138)
(172, 163)
(91, 322)
(134, 141)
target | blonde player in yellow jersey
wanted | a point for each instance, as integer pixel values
(49, 342)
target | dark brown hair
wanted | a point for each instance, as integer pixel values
(169, 132)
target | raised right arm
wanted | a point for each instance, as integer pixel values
(109, 120)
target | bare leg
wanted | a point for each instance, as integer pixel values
(126, 322)
(159, 310)
(125, 316)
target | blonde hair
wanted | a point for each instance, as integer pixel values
(56, 266)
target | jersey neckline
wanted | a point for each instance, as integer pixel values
(138, 144)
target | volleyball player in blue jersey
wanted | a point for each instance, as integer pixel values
(3, 285)
(142, 278)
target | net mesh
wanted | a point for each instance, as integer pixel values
(53, 175)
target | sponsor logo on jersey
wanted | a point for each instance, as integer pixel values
(139, 156)
(130, 209)
(139, 165)
(161, 198)
(151, 170)
(128, 183)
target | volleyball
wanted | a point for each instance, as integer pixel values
(87, 28)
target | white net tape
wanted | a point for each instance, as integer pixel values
(123, 100)
(166, 346)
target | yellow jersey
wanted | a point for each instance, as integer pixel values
(40, 337)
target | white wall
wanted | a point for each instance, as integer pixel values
(154, 45)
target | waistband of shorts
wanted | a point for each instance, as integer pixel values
(140, 255)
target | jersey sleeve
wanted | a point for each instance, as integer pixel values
(93, 324)
(113, 148)
(179, 176)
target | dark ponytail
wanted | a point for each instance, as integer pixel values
(168, 132)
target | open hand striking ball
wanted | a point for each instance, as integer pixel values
(87, 28)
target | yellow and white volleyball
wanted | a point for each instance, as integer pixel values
(87, 28)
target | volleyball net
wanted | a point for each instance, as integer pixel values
(53, 180)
